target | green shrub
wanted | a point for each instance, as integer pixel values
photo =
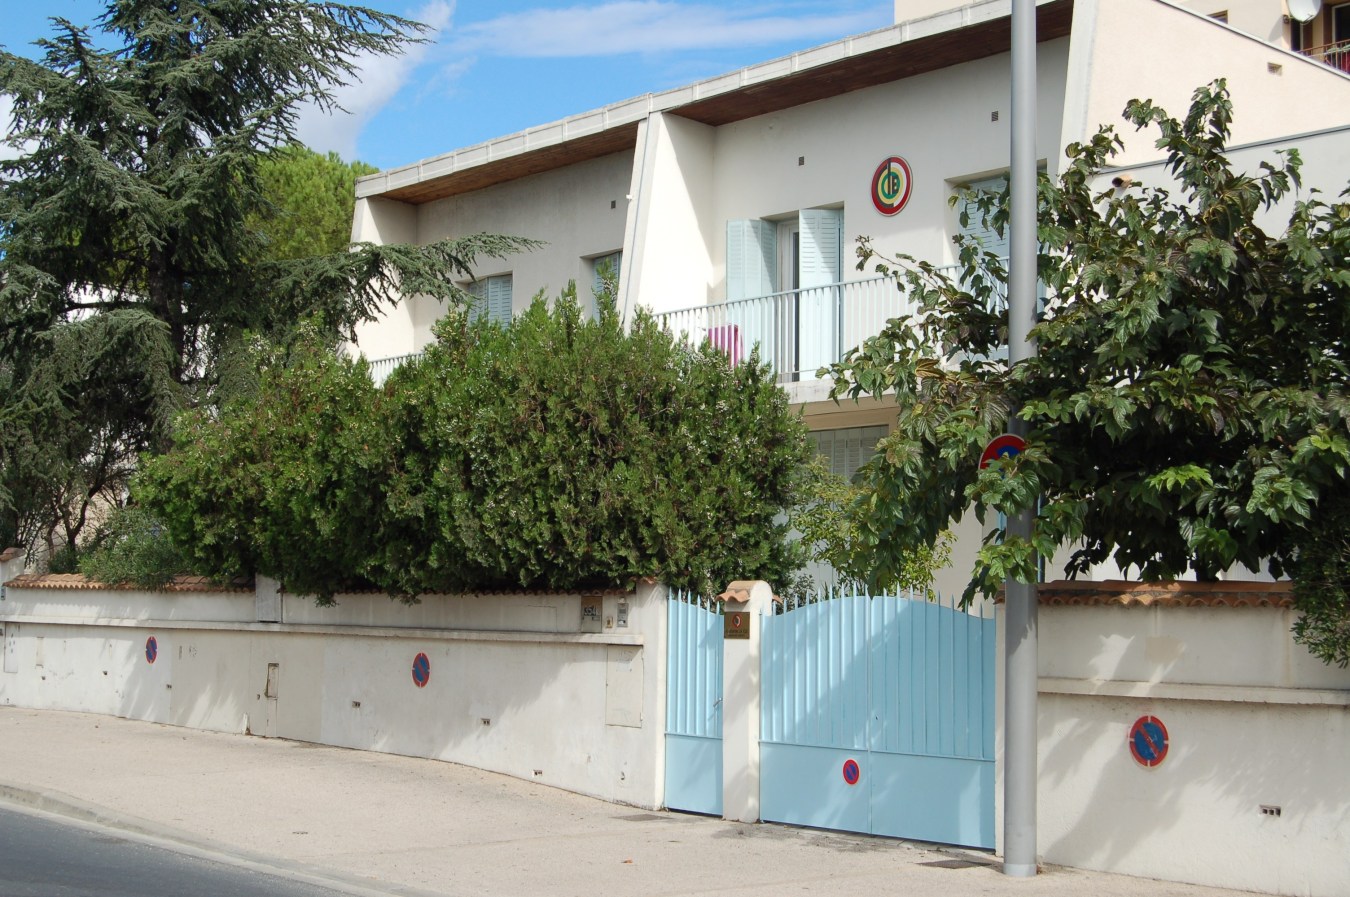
(561, 452)
(1321, 574)
(557, 452)
(284, 482)
(131, 547)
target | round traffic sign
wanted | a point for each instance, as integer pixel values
(1005, 446)
(1148, 741)
(421, 671)
(851, 771)
(151, 649)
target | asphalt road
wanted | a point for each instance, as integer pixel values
(43, 857)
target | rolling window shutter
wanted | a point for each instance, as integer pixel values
(752, 256)
(615, 262)
(848, 449)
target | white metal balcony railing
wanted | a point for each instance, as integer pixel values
(381, 368)
(798, 331)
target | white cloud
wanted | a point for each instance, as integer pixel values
(647, 26)
(377, 80)
(6, 110)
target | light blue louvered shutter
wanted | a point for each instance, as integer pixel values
(988, 238)
(752, 266)
(820, 266)
(752, 255)
(478, 290)
(499, 299)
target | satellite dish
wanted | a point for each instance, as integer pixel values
(1304, 10)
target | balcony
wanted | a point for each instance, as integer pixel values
(1336, 55)
(381, 368)
(798, 331)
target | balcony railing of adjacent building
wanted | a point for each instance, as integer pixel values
(1336, 55)
(381, 368)
(798, 331)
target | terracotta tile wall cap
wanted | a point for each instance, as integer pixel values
(1170, 593)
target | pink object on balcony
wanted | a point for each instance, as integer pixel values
(727, 337)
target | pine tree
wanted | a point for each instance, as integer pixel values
(131, 252)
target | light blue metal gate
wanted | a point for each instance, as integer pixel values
(693, 705)
(878, 716)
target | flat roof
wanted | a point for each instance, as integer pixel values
(901, 51)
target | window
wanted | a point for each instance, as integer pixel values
(989, 239)
(848, 449)
(601, 265)
(797, 262)
(492, 297)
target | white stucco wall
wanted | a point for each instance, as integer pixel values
(1260, 18)
(1145, 49)
(671, 260)
(515, 687)
(381, 221)
(938, 122)
(1252, 720)
(578, 212)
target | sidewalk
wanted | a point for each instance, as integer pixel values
(399, 825)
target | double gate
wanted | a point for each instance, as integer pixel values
(877, 715)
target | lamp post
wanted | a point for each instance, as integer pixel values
(1020, 603)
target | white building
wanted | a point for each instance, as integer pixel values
(732, 206)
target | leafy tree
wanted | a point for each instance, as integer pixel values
(312, 200)
(1187, 408)
(133, 548)
(132, 249)
(829, 530)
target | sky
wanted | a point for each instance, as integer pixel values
(494, 67)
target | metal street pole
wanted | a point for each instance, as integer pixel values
(1020, 673)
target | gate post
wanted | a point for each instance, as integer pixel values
(745, 602)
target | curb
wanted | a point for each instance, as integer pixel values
(54, 803)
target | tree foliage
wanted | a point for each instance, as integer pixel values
(311, 198)
(132, 229)
(829, 530)
(283, 481)
(557, 452)
(1187, 408)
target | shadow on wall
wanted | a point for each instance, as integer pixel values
(549, 707)
(1196, 816)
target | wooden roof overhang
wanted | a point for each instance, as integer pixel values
(715, 102)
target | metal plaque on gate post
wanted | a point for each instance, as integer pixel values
(736, 624)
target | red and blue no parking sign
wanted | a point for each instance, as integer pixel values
(1148, 741)
(151, 649)
(851, 771)
(421, 671)
(1002, 447)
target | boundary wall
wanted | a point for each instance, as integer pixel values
(514, 683)
(1253, 792)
